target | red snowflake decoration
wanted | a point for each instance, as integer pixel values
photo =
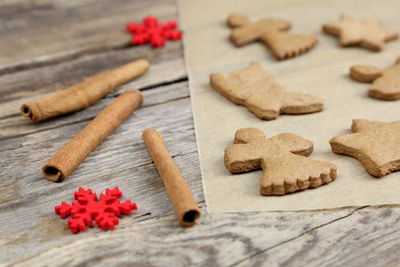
(152, 32)
(87, 208)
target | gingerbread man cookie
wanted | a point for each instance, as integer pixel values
(367, 33)
(385, 83)
(282, 158)
(261, 93)
(375, 144)
(273, 32)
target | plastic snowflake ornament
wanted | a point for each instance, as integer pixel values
(87, 208)
(152, 32)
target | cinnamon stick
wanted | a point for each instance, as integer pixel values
(182, 200)
(65, 161)
(84, 94)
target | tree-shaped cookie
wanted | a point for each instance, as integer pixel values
(273, 32)
(261, 93)
(367, 33)
(385, 83)
(375, 144)
(282, 158)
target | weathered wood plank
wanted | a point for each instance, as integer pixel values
(31, 234)
(344, 237)
(369, 237)
(16, 125)
(41, 32)
(27, 200)
(166, 66)
(219, 240)
(17, 151)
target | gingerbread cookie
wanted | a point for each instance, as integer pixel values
(367, 33)
(261, 93)
(385, 83)
(282, 158)
(273, 32)
(375, 144)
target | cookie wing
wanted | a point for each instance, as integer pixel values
(291, 173)
(386, 87)
(285, 45)
(240, 158)
(298, 103)
(243, 35)
(224, 86)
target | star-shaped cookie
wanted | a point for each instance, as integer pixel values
(375, 144)
(367, 33)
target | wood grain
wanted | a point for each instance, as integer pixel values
(166, 66)
(49, 45)
(24, 193)
(35, 33)
(16, 125)
(335, 238)
(367, 237)
(21, 87)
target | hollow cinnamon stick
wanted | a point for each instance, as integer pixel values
(179, 193)
(65, 161)
(84, 94)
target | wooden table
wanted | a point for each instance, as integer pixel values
(46, 46)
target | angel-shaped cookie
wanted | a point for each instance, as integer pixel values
(282, 158)
(385, 83)
(273, 32)
(261, 93)
(367, 33)
(375, 144)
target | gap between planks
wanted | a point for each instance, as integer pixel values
(75, 118)
(193, 238)
(56, 22)
(61, 57)
(299, 236)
